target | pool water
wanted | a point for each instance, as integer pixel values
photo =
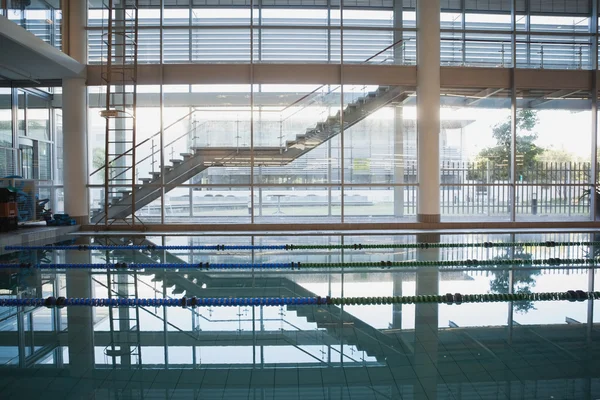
(488, 350)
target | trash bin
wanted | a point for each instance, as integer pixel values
(534, 204)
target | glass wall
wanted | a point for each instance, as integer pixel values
(28, 143)
(281, 160)
(7, 150)
(307, 33)
(553, 160)
(475, 146)
(43, 18)
(556, 35)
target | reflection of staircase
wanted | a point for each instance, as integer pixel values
(338, 324)
(341, 325)
(200, 159)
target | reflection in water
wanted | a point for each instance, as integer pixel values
(522, 278)
(423, 351)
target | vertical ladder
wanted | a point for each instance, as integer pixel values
(124, 348)
(119, 73)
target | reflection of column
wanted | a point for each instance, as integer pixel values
(398, 161)
(428, 110)
(397, 307)
(74, 116)
(80, 320)
(426, 324)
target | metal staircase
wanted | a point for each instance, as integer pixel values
(197, 159)
(119, 73)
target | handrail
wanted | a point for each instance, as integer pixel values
(145, 309)
(154, 152)
(337, 87)
(301, 99)
(146, 140)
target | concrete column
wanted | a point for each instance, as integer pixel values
(426, 324)
(428, 109)
(74, 113)
(80, 320)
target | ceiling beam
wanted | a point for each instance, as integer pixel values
(558, 95)
(484, 94)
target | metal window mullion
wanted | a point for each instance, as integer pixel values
(162, 125)
(328, 31)
(594, 164)
(463, 27)
(190, 34)
(594, 121)
(342, 154)
(252, 111)
(513, 112)
(134, 108)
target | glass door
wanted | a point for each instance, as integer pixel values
(26, 161)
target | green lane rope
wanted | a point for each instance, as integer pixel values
(298, 265)
(449, 298)
(291, 247)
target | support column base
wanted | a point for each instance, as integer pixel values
(428, 218)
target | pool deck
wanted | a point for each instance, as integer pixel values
(39, 234)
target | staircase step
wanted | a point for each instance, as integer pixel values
(176, 162)
(186, 155)
(146, 180)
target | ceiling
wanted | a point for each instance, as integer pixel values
(28, 58)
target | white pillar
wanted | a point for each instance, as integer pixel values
(428, 109)
(74, 106)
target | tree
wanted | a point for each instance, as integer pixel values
(523, 280)
(500, 154)
(98, 162)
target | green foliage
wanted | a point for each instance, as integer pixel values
(500, 154)
(523, 280)
(98, 162)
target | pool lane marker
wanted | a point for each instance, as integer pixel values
(292, 247)
(384, 264)
(449, 299)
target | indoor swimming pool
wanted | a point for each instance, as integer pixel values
(501, 315)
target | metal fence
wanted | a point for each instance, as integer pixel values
(541, 188)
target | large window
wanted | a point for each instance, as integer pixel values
(475, 154)
(281, 159)
(553, 159)
(41, 18)
(266, 34)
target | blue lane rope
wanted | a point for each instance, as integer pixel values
(580, 262)
(449, 298)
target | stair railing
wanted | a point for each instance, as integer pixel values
(314, 98)
(154, 150)
(147, 140)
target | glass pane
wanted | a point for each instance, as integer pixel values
(38, 118)
(553, 169)
(21, 113)
(6, 135)
(475, 154)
